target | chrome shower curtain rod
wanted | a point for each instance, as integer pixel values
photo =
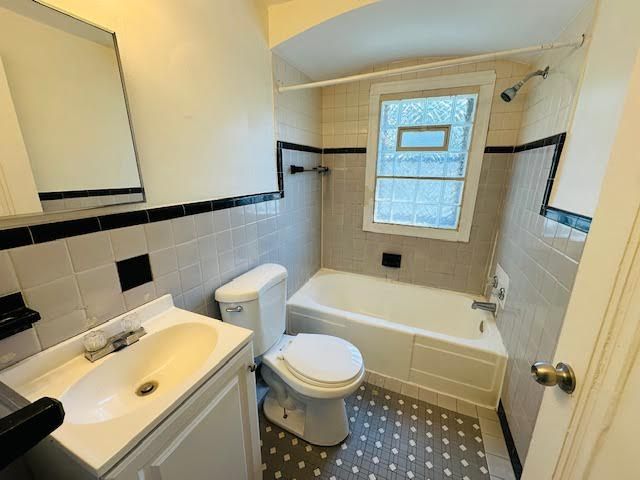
(439, 64)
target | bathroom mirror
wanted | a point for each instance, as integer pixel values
(66, 141)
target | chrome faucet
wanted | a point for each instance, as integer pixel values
(487, 306)
(112, 344)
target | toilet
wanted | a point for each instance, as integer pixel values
(309, 375)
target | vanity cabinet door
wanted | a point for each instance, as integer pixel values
(213, 435)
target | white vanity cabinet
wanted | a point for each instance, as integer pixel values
(213, 435)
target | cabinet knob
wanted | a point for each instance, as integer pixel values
(252, 367)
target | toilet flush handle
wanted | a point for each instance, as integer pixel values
(234, 309)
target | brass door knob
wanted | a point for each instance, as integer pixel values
(561, 375)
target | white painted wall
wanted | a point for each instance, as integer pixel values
(198, 74)
(598, 107)
(68, 97)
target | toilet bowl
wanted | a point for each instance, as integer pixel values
(309, 375)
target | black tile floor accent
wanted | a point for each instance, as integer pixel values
(392, 437)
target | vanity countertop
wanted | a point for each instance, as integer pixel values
(105, 413)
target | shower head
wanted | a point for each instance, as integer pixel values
(511, 92)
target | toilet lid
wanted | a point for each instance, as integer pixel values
(323, 360)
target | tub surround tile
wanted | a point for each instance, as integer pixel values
(541, 257)
(450, 265)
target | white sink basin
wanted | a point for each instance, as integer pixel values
(162, 359)
(105, 416)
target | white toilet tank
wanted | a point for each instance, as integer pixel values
(257, 300)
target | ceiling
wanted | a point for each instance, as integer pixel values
(395, 29)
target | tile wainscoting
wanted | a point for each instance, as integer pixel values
(541, 257)
(68, 271)
(451, 265)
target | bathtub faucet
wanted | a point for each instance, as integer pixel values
(487, 306)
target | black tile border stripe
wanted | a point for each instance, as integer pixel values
(329, 151)
(508, 439)
(298, 147)
(46, 232)
(102, 192)
(499, 149)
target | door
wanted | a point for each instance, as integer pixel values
(214, 435)
(600, 337)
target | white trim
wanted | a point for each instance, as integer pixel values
(483, 57)
(486, 81)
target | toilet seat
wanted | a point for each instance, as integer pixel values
(322, 360)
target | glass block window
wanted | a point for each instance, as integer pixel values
(423, 150)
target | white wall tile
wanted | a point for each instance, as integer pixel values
(168, 284)
(184, 229)
(221, 220)
(187, 254)
(52, 332)
(101, 293)
(163, 261)
(54, 299)
(203, 223)
(38, 264)
(128, 242)
(90, 251)
(18, 347)
(190, 277)
(159, 235)
(139, 295)
(8, 279)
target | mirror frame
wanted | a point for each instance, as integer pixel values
(43, 3)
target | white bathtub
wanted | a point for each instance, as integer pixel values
(419, 335)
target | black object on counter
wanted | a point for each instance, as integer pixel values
(21, 430)
(15, 316)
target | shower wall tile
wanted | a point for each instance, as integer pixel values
(454, 266)
(74, 282)
(345, 107)
(541, 258)
(298, 113)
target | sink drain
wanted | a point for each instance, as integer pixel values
(147, 388)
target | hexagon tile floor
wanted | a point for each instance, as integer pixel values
(392, 437)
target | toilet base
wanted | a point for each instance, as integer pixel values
(321, 422)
